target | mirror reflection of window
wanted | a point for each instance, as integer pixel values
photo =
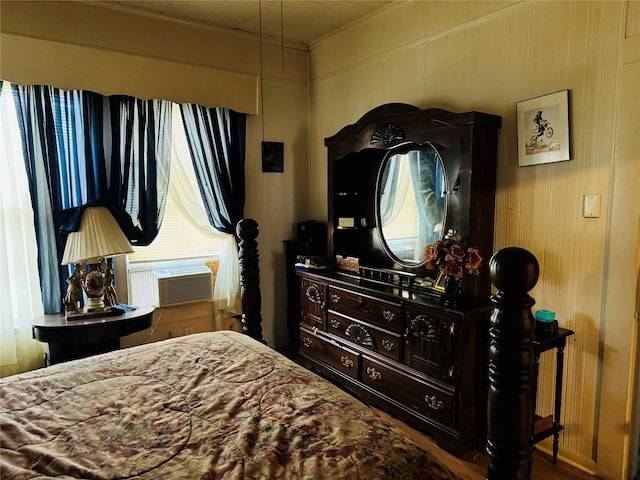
(411, 202)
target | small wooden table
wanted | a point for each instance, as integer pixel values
(70, 339)
(542, 427)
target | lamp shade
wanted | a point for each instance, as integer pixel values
(99, 237)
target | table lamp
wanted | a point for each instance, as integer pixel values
(98, 238)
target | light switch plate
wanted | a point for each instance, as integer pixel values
(591, 207)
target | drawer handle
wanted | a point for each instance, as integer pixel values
(373, 373)
(335, 323)
(335, 298)
(433, 402)
(346, 361)
(388, 316)
(306, 341)
(387, 344)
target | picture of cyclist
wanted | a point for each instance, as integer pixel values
(542, 128)
(540, 122)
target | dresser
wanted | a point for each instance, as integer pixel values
(400, 351)
(399, 179)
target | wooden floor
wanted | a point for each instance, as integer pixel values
(473, 466)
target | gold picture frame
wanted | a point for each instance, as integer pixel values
(439, 283)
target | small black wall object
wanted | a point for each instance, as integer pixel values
(272, 156)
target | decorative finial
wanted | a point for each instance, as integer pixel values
(514, 269)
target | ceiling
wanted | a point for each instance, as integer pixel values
(301, 21)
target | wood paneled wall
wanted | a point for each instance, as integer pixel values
(487, 56)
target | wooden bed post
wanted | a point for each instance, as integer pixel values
(247, 231)
(514, 272)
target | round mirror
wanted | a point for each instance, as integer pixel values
(411, 202)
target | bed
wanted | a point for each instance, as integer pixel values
(218, 405)
(211, 405)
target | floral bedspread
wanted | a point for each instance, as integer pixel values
(212, 405)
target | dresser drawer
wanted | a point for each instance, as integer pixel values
(374, 338)
(325, 350)
(368, 309)
(429, 399)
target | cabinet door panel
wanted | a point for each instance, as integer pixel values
(313, 297)
(429, 340)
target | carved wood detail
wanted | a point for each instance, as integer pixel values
(360, 335)
(387, 133)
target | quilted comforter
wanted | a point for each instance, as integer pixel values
(214, 405)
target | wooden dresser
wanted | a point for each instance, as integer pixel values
(401, 352)
(399, 179)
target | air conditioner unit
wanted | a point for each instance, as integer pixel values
(183, 285)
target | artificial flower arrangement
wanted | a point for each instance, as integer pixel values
(453, 256)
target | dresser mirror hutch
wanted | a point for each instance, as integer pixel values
(398, 179)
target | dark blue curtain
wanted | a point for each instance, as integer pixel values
(82, 148)
(34, 108)
(216, 139)
(141, 160)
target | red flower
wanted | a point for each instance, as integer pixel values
(474, 260)
(453, 269)
(458, 252)
(431, 252)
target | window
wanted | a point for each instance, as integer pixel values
(178, 237)
(179, 243)
(184, 235)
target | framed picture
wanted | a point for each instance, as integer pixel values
(272, 156)
(543, 129)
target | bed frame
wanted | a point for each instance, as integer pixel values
(248, 255)
(514, 272)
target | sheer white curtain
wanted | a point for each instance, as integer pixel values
(20, 294)
(395, 190)
(183, 188)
